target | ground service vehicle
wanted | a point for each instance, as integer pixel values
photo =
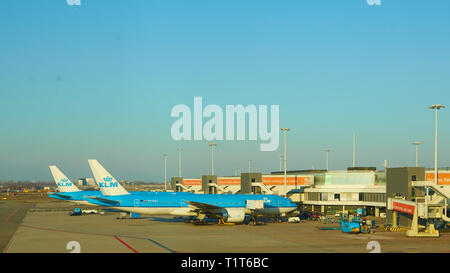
(76, 212)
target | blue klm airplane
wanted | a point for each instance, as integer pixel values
(69, 192)
(225, 207)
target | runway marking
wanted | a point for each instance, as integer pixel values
(98, 234)
(5, 249)
(86, 233)
(12, 214)
(163, 246)
(125, 244)
(153, 241)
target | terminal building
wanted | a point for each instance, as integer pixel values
(313, 190)
(87, 182)
(255, 183)
(443, 175)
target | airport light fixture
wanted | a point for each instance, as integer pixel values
(435, 107)
(165, 171)
(417, 143)
(285, 130)
(179, 161)
(212, 145)
(327, 151)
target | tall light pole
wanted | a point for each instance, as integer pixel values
(327, 151)
(285, 130)
(179, 161)
(212, 156)
(165, 171)
(354, 149)
(417, 143)
(436, 107)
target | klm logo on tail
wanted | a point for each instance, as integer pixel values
(108, 184)
(64, 183)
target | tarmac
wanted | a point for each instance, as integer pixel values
(11, 215)
(49, 229)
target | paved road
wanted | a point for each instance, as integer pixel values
(11, 216)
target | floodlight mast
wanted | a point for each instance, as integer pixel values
(285, 130)
(212, 145)
(436, 107)
(417, 143)
(165, 171)
(354, 149)
(179, 161)
(327, 151)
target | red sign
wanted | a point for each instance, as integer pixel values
(402, 207)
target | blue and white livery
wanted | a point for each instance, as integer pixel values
(68, 191)
(227, 207)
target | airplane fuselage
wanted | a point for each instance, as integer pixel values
(175, 203)
(83, 197)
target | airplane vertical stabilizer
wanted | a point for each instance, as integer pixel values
(107, 183)
(62, 182)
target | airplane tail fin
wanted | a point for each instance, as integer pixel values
(62, 182)
(107, 183)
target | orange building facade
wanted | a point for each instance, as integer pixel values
(443, 177)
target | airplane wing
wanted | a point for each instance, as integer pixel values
(203, 206)
(63, 195)
(109, 201)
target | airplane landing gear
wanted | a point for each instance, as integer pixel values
(199, 222)
(255, 221)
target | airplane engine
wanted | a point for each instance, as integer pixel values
(234, 215)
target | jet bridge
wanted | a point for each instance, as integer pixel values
(261, 188)
(210, 185)
(432, 206)
(176, 184)
(438, 199)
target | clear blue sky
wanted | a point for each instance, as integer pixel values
(99, 81)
